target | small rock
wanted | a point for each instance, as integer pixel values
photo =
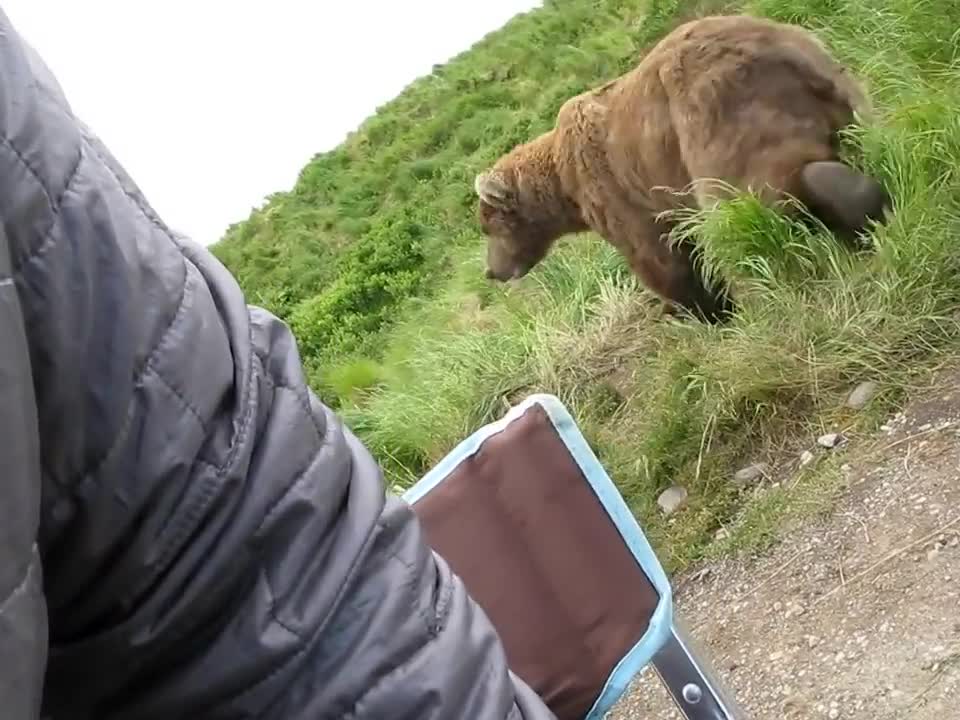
(830, 440)
(778, 655)
(721, 534)
(806, 457)
(750, 473)
(933, 555)
(834, 713)
(672, 499)
(861, 395)
(794, 609)
(792, 705)
(953, 543)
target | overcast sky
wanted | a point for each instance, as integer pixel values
(212, 105)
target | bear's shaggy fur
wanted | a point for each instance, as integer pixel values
(750, 102)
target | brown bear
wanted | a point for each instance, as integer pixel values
(753, 103)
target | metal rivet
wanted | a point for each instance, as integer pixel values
(692, 693)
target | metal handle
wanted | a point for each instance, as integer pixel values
(691, 681)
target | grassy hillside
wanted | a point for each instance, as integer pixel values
(386, 216)
(376, 261)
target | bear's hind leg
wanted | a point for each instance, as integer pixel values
(842, 197)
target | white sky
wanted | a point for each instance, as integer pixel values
(213, 104)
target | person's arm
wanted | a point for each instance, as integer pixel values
(215, 544)
(23, 621)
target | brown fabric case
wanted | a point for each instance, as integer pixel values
(522, 527)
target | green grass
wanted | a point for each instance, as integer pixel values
(376, 261)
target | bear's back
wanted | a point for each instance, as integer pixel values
(706, 100)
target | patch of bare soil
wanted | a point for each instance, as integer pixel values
(854, 616)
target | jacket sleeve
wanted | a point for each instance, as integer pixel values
(23, 621)
(215, 543)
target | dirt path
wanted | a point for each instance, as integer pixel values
(857, 616)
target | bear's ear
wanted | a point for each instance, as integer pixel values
(492, 188)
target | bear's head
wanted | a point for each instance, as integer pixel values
(519, 234)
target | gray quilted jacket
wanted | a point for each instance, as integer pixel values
(185, 531)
